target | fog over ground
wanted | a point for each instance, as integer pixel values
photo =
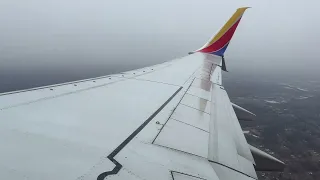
(46, 41)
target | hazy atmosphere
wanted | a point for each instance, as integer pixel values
(45, 42)
(273, 58)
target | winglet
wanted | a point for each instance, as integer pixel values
(219, 43)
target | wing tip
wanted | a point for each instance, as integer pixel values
(218, 43)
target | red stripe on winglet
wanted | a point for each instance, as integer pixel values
(220, 43)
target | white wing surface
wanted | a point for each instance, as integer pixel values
(169, 121)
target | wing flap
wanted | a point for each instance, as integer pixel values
(225, 173)
(227, 143)
(196, 103)
(192, 117)
(174, 136)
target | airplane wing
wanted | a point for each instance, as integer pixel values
(170, 121)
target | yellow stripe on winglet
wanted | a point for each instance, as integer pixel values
(228, 25)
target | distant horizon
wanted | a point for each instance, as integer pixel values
(12, 79)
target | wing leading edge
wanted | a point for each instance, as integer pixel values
(170, 121)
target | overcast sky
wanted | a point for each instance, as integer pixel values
(89, 34)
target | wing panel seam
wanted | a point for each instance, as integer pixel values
(189, 125)
(198, 97)
(185, 175)
(111, 156)
(194, 108)
(230, 168)
(172, 113)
